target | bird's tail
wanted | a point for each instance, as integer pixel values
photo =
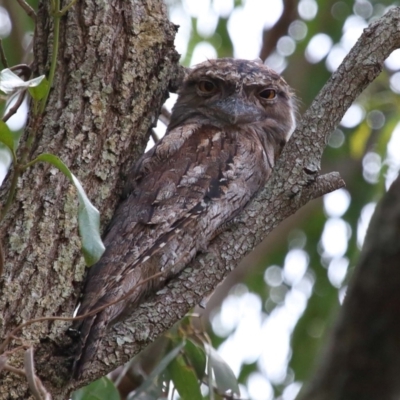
(87, 335)
(149, 273)
(88, 332)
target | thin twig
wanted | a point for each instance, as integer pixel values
(271, 36)
(12, 110)
(14, 350)
(66, 8)
(25, 69)
(123, 372)
(25, 72)
(3, 57)
(154, 136)
(165, 116)
(43, 390)
(93, 312)
(35, 384)
(30, 373)
(28, 9)
(14, 370)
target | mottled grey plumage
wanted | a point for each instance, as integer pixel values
(229, 125)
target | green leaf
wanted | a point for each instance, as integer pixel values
(88, 215)
(224, 377)
(39, 92)
(197, 357)
(6, 136)
(162, 365)
(102, 389)
(10, 82)
(185, 380)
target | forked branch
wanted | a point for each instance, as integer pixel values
(294, 182)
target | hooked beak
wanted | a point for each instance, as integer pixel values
(235, 111)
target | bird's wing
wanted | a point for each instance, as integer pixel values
(184, 177)
(211, 168)
(168, 207)
(167, 147)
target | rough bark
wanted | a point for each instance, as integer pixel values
(116, 61)
(114, 67)
(362, 361)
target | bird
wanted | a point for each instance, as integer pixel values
(228, 126)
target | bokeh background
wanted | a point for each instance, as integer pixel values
(269, 319)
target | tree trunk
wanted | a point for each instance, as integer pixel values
(116, 61)
(362, 358)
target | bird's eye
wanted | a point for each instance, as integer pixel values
(268, 94)
(206, 87)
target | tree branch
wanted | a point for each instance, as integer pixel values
(293, 183)
(270, 37)
(115, 64)
(361, 360)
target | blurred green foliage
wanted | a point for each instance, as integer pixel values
(346, 153)
(307, 79)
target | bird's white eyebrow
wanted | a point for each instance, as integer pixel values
(293, 127)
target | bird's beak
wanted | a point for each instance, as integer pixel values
(235, 111)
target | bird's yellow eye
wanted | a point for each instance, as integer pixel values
(206, 87)
(268, 94)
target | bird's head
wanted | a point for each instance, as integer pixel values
(228, 92)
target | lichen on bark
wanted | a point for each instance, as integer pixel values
(115, 63)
